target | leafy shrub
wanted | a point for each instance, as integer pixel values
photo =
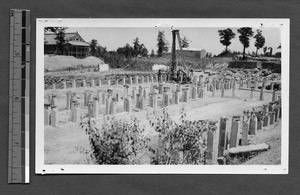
(183, 143)
(114, 59)
(116, 142)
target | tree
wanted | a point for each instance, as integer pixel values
(278, 54)
(136, 46)
(144, 52)
(101, 51)
(60, 42)
(225, 36)
(121, 51)
(265, 49)
(93, 47)
(270, 51)
(114, 59)
(126, 51)
(185, 43)
(245, 34)
(260, 40)
(162, 43)
(55, 30)
(139, 49)
(152, 53)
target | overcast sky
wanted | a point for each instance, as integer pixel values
(200, 38)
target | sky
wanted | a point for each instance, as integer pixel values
(200, 38)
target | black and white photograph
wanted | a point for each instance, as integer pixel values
(162, 96)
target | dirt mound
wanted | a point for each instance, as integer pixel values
(69, 62)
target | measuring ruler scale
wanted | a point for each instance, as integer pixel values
(18, 154)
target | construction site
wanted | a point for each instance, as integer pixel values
(211, 114)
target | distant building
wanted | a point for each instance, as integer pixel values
(192, 53)
(202, 54)
(75, 45)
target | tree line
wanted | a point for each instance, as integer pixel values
(119, 57)
(245, 33)
(116, 58)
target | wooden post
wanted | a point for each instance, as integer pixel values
(64, 85)
(47, 112)
(83, 83)
(54, 101)
(133, 94)
(73, 83)
(252, 93)
(266, 121)
(185, 97)
(222, 134)
(112, 108)
(136, 79)
(95, 107)
(153, 100)
(214, 88)
(233, 142)
(54, 117)
(253, 124)
(53, 86)
(222, 89)
(75, 112)
(274, 95)
(165, 101)
(214, 128)
(261, 97)
(245, 129)
(176, 97)
(99, 82)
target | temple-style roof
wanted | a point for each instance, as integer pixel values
(72, 38)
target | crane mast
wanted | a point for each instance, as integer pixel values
(174, 67)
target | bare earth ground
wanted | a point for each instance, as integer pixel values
(62, 144)
(272, 137)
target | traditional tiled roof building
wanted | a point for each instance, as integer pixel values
(75, 45)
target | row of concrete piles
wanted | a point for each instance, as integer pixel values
(252, 85)
(140, 97)
(130, 80)
(233, 132)
(253, 82)
(247, 82)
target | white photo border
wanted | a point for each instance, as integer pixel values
(41, 168)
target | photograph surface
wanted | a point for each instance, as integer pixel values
(162, 96)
